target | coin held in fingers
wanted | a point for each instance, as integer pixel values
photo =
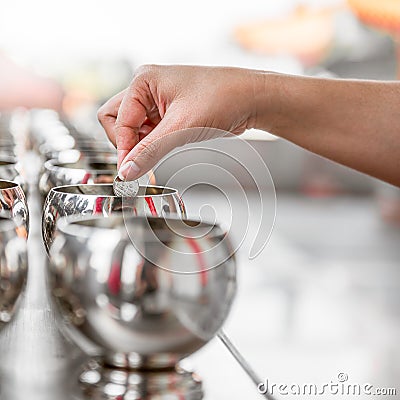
(125, 188)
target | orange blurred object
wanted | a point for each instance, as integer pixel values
(307, 33)
(381, 14)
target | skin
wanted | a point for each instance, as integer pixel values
(355, 123)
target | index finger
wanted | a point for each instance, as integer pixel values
(131, 116)
(107, 115)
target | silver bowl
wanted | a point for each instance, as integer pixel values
(13, 268)
(100, 200)
(13, 205)
(146, 292)
(10, 170)
(87, 171)
(92, 149)
(7, 147)
(86, 144)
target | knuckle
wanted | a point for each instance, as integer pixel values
(146, 150)
(101, 114)
(145, 70)
(143, 148)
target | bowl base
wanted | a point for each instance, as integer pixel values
(99, 382)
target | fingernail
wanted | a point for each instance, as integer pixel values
(128, 171)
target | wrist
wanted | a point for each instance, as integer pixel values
(266, 104)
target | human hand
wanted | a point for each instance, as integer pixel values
(169, 106)
(353, 122)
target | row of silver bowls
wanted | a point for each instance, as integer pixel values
(14, 224)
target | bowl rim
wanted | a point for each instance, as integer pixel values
(58, 189)
(74, 225)
(7, 161)
(11, 184)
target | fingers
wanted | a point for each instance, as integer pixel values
(107, 115)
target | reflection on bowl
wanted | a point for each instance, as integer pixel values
(13, 268)
(13, 205)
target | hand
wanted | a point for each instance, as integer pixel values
(353, 122)
(168, 106)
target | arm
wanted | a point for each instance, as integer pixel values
(356, 123)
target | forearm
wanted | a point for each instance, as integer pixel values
(355, 123)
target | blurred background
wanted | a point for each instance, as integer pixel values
(324, 295)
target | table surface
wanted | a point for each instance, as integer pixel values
(322, 298)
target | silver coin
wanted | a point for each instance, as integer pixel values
(125, 188)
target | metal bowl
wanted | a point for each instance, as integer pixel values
(146, 291)
(13, 268)
(100, 200)
(13, 205)
(7, 147)
(87, 171)
(90, 150)
(10, 170)
(93, 144)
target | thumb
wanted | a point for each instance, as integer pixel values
(145, 155)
